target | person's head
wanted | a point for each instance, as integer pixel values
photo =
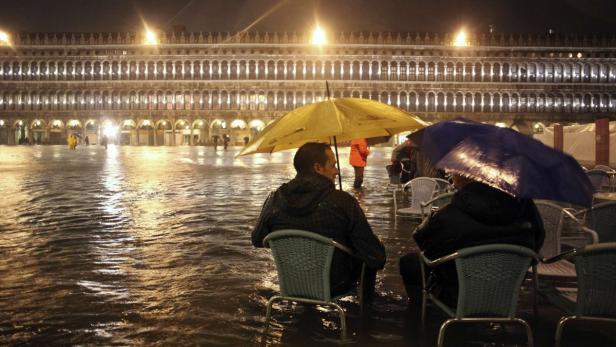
(315, 157)
(460, 181)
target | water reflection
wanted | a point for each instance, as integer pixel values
(142, 246)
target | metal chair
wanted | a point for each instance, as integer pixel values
(435, 203)
(602, 219)
(594, 300)
(489, 279)
(555, 218)
(599, 179)
(603, 168)
(422, 190)
(303, 260)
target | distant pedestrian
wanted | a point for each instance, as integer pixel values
(358, 159)
(246, 139)
(87, 141)
(215, 139)
(225, 139)
(104, 140)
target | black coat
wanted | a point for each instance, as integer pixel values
(311, 202)
(478, 215)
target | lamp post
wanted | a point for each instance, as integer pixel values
(5, 39)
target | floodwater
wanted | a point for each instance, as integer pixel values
(151, 246)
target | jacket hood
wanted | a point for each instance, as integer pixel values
(302, 195)
(488, 205)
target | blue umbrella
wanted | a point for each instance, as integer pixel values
(510, 161)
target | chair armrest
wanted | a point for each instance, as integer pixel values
(343, 248)
(565, 255)
(439, 261)
(591, 234)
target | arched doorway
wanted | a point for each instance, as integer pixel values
(163, 133)
(56, 132)
(4, 132)
(145, 133)
(182, 132)
(92, 129)
(128, 134)
(38, 131)
(238, 131)
(199, 133)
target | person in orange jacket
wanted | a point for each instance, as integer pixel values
(358, 159)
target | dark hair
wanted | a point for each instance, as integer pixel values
(309, 154)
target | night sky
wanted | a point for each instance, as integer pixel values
(513, 16)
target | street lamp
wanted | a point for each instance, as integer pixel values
(150, 38)
(461, 40)
(318, 36)
(4, 38)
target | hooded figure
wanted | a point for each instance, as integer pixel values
(477, 215)
(310, 202)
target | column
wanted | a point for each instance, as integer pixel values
(558, 137)
(602, 138)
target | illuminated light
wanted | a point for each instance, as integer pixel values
(4, 38)
(461, 40)
(146, 123)
(57, 123)
(500, 125)
(318, 36)
(20, 123)
(38, 122)
(1, 122)
(164, 123)
(109, 130)
(150, 38)
(579, 55)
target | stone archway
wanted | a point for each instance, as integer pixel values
(38, 132)
(4, 132)
(163, 133)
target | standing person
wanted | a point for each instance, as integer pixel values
(87, 141)
(215, 138)
(104, 140)
(225, 140)
(246, 139)
(358, 159)
(477, 215)
(311, 202)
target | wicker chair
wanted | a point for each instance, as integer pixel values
(602, 219)
(303, 260)
(600, 180)
(555, 218)
(594, 300)
(435, 203)
(422, 190)
(489, 279)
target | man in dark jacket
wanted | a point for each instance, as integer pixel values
(311, 202)
(477, 215)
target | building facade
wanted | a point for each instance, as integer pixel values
(191, 88)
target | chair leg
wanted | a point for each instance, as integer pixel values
(535, 291)
(441, 332)
(529, 332)
(343, 327)
(559, 329)
(268, 312)
(360, 290)
(424, 302)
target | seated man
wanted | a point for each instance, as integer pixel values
(403, 161)
(477, 215)
(311, 202)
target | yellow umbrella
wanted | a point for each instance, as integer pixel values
(340, 119)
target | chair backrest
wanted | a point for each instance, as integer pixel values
(603, 168)
(443, 185)
(603, 221)
(599, 179)
(489, 278)
(422, 190)
(596, 271)
(552, 217)
(303, 260)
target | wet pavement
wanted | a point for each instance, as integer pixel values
(151, 246)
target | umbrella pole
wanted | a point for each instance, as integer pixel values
(338, 163)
